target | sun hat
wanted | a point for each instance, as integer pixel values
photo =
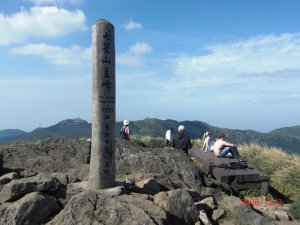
(181, 128)
(125, 122)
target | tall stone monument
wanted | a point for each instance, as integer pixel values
(103, 166)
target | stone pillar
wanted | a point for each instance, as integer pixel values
(103, 166)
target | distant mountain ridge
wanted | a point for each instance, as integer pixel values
(10, 132)
(287, 138)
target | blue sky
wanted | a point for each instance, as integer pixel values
(231, 63)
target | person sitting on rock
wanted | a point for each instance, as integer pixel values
(182, 141)
(222, 148)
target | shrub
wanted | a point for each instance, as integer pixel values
(149, 142)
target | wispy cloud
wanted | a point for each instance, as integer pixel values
(73, 56)
(141, 48)
(241, 65)
(54, 2)
(131, 25)
(135, 56)
(264, 54)
(40, 22)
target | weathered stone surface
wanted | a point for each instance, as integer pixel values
(244, 214)
(179, 205)
(6, 178)
(206, 204)
(148, 186)
(218, 214)
(28, 173)
(275, 214)
(32, 209)
(171, 167)
(17, 188)
(204, 218)
(232, 201)
(95, 207)
(247, 216)
(51, 155)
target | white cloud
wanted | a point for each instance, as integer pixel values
(131, 25)
(73, 56)
(54, 2)
(264, 54)
(135, 56)
(242, 65)
(130, 60)
(141, 48)
(40, 22)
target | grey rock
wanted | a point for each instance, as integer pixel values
(204, 218)
(172, 168)
(32, 209)
(179, 205)
(247, 216)
(206, 204)
(28, 173)
(17, 188)
(218, 214)
(232, 201)
(275, 214)
(6, 178)
(97, 207)
(148, 186)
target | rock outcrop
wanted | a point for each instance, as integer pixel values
(46, 183)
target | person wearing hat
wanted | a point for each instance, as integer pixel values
(124, 132)
(208, 145)
(182, 141)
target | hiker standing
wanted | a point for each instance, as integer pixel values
(208, 144)
(124, 132)
(169, 137)
(182, 141)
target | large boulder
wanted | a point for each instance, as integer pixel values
(99, 207)
(51, 155)
(244, 213)
(179, 205)
(171, 168)
(17, 188)
(34, 209)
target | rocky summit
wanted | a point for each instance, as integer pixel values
(46, 183)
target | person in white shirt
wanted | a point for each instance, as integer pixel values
(208, 144)
(169, 137)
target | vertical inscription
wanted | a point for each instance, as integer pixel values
(102, 167)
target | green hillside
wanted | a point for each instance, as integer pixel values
(287, 138)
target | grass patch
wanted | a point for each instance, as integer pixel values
(282, 168)
(295, 208)
(148, 141)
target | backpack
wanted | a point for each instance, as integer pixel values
(234, 165)
(123, 134)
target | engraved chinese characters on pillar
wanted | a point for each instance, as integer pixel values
(102, 167)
